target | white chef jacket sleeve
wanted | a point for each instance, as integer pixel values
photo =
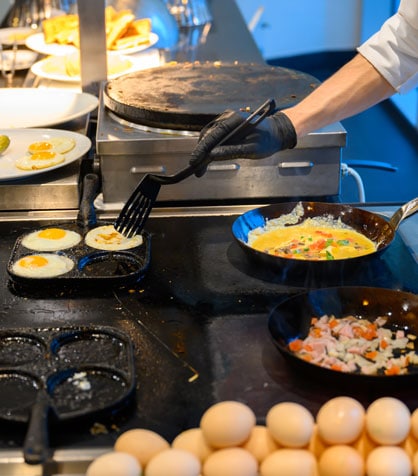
(393, 50)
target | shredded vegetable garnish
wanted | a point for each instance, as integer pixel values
(355, 345)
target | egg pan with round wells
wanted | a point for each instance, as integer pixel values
(52, 375)
(90, 265)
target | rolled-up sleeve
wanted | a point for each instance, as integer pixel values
(393, 50)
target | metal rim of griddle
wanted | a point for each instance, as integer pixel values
(155, 130)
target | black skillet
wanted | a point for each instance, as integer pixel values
(48, 376)
(375, 227)
(291, 319)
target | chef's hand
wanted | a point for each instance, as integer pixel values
(272, 134)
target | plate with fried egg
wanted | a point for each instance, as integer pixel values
(35, 151)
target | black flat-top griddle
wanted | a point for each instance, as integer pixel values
(186, 96)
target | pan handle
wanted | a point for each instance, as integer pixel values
(36, 444)
(403, 212)
(86, 215)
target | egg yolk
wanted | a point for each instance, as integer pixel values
(114, 237)
(52, 234)
(33, 261)
(44, 155)
(40, 146)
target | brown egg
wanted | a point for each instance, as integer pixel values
(414, 423)
(192, 440)
(230, 462)
(114, 463)
(227, 423)
(388, 461)
(290, 424)
(289, 462)
(173, 462)
(341, 460)
(388, 421)
(260, 443)
(340, 420)
(141, 443)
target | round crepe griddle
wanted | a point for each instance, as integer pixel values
(186, 96)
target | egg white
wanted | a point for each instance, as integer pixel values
(61, 145)
(42, 265)
(40, 160)
(107, 238)
(51, 239)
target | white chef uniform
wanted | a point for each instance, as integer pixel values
(393, 50)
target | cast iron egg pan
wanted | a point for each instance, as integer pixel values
(61, 374)
(375, 227)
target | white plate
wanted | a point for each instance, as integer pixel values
(37, 43)
(54, 67)
(21, 138)
(24, 59)
(33, 107)
(20, 34)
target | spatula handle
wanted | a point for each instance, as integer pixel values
(86, 215)
(266, 109)
(36, 445)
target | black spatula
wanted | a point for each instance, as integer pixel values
(134, 214)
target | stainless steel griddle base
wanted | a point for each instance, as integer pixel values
(126, 153)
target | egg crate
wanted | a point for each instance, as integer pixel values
(49, 375)
(91, 266)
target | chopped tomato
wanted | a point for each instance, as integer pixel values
(393, 370)
(315, 332)
(318, 245)
(383, 344)
(296, 345)
(323, 233)
(367, 332)
(332, 323)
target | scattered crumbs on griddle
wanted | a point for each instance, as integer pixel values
(98, 429)
(79, 379)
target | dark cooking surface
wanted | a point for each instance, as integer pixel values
(198, 322)
(188, 95)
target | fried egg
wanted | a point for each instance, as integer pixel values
(40, 160)
(107, 238)
(62, 145)
(51, 239)
(43, 265)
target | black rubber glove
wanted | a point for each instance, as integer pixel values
(272, 134)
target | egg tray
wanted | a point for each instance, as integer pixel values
(91, 266)
(80, 370)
